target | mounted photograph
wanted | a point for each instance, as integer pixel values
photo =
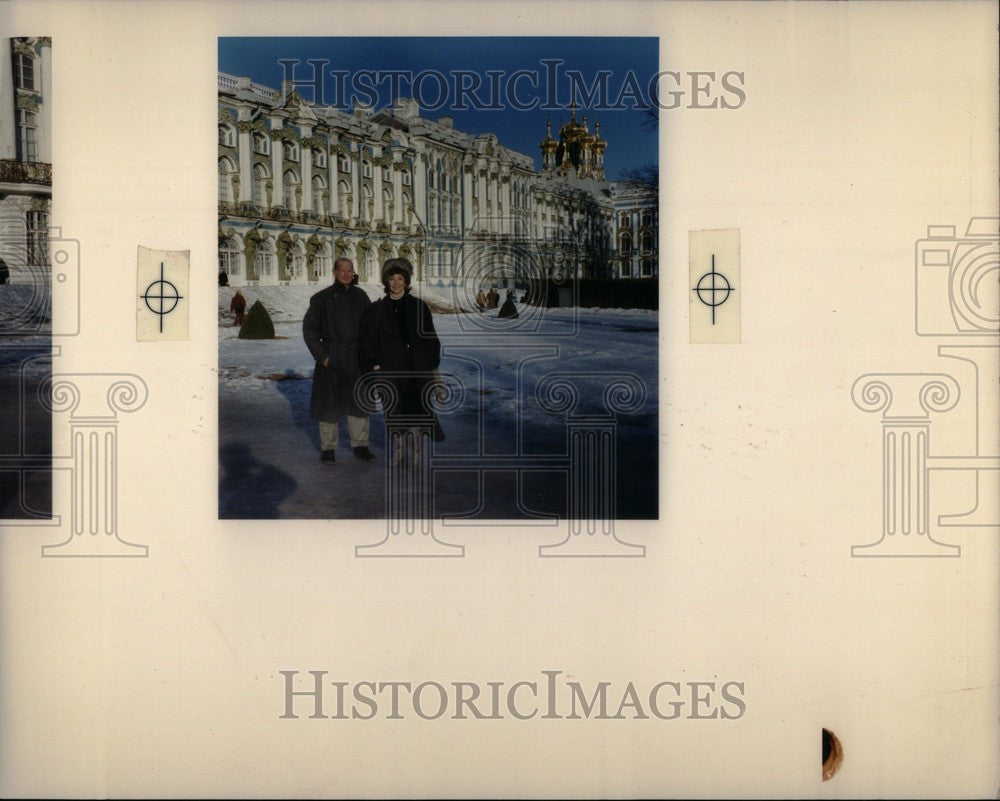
(438, 279)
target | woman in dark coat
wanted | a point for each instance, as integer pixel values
(398, 339)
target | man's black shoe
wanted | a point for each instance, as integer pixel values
(328, 456)
(362, 452)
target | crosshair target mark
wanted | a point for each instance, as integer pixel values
(164, 291)
(710, 286)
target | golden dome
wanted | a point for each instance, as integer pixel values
(573, 129)
(599, 144)
(548, 144)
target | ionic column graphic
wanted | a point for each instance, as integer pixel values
(408, 490)
(592, 443)
(905, 401)
(93, 401)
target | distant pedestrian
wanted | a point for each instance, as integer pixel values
(493, 298)
(508, 309)
(481, 300)
(238, 306)
(4, 272)
(223, 278)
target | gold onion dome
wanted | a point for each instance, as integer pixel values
(599, 144)
(572, 130)
(548, 144)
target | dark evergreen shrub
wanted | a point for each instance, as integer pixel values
(257, 324)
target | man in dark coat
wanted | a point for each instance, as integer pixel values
(330, 329)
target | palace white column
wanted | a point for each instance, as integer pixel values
(356, 186)
(508, 210)
(277, 174)
(333, 179)
(397, 196)
(306, 170)
(377, 192)
(420, 189)
(45, 134)
(8, 140)
(467, 215)
(246, 163)
(481, 221)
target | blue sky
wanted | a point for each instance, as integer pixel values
(522, 81)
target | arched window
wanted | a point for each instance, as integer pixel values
(319, 157)
(297, 263)
(366, 168)
(407, 178)
(647, 267)
(647, 218)
(25, 72)
(37, 239)
(321, 263)
(387, 213)
(290, 151)
(318, 188)
(432, 210)
(626, 244)
(260, 178)
(387, 175)
(646, 242)
(226, 135)
(261, 144)
(291, 183)
(263, 260)
(226, 172)
(626, 220)
(229, 258)
(626, 268)
(343, 163)
(343, 190)
(27, 135)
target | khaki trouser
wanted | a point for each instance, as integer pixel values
(357, 427)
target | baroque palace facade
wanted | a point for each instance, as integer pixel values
(25, 157)
(302, 185)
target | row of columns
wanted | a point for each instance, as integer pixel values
(475, 185)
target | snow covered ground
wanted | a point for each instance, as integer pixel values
(25, 425)
(512, 380)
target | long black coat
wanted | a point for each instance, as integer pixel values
(330, 329)
(382, 345)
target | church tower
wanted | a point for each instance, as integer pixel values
(577, 153)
